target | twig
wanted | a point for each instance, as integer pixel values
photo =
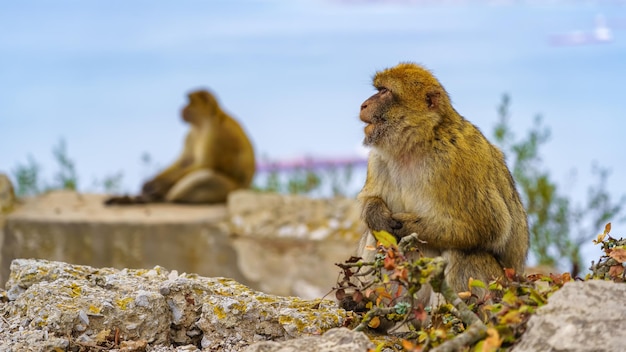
(476, 328)
(374, 312)
(358, 264)
(409, 241)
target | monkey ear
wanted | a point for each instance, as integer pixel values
(432, 98)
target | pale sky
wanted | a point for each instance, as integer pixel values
(110, 77)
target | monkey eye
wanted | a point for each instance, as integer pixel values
(382, 90)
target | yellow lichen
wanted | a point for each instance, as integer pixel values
(266, 299)
(124, 302)
(299, 324)
(199, 292)
(219, 312)
(75, 290)
(102, 335)
(94, 310)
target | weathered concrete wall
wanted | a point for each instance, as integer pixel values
(284, 245)
(288, 245)
(77, 228)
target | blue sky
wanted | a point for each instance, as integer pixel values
(110, 77)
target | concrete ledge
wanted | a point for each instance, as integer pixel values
(77, 228)
(278, 244)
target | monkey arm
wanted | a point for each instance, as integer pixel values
(158, 186)
(466, 231)
(375, 211)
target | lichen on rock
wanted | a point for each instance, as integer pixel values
(55, 302)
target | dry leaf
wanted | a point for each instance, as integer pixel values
(509, 273)
(493, 341)
(616, 270)
(465, 294)
(389, 263)
(340, 294)
(618, 254)
(374, 323)
(357, 296)
(607, 229)
(599, 239)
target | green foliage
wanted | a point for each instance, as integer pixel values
(27, 178)
(302, 181)
(339, 179)
(65, 177)
(557, 226)
(111, 183)
(307, 181)
(29, 181)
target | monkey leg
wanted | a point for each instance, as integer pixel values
(201, 186)
(464, 265)
(126, 200)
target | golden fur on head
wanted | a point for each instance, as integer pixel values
(201, 102)
(414, 83)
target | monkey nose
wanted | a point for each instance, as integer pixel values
(363, 106)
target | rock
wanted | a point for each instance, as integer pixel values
(7, 195)
(288, 244)
(581, 316)
(155, 308)
(334, 340)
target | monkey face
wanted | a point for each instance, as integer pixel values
(409, 104)
(201, 105)
(373, 113)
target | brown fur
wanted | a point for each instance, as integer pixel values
(217, 158)
(433, 173)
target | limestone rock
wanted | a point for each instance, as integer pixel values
(55, 305)
(581, 316)
(334, 340)
(288, 244)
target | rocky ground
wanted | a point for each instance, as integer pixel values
(54, 306)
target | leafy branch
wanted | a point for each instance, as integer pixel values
(381, 294)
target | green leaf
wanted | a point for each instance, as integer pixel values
(476, 283)
(402, 307)
(509, 298)
(385, 238)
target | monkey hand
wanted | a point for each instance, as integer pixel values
(378, 216)
(153, 190)
(118, 200)
(409, 224)
(125, 200)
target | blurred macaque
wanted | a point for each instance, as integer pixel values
(217, 158)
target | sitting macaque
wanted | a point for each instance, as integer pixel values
(433, 173)
(217, 158)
